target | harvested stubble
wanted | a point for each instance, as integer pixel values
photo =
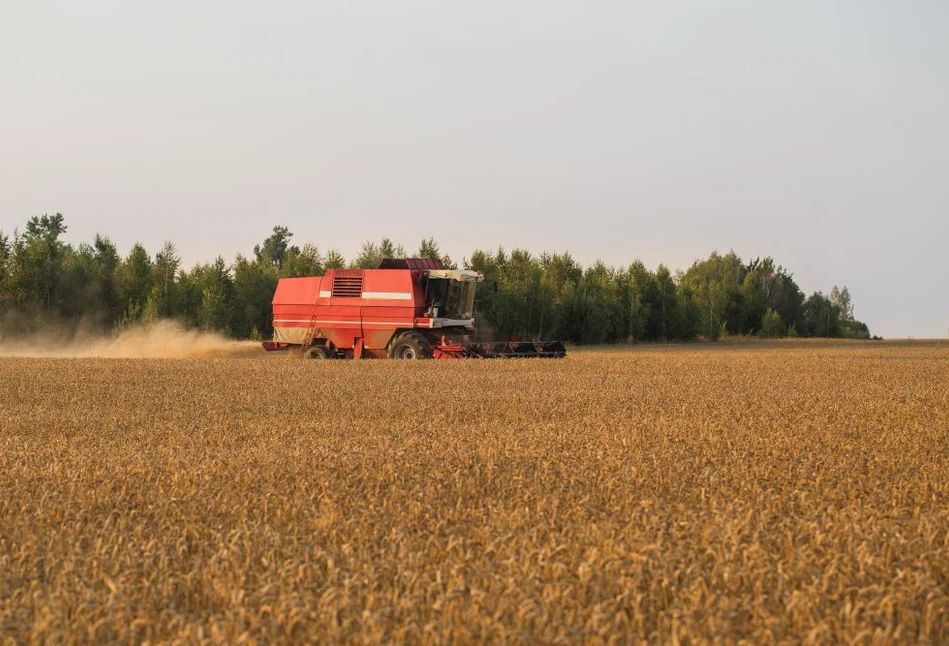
(796, 492)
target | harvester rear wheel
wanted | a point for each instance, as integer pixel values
(316, 352)
(410, 345)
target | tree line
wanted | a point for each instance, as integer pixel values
(45, 279)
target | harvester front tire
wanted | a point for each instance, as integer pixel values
(316, 352)
(410, 345)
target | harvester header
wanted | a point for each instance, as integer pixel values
(410, 308)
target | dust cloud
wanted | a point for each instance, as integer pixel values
(159, 340)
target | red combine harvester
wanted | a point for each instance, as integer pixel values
(408, 308)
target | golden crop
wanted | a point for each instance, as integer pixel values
(771, 493)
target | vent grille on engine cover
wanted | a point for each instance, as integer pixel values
(347, 286)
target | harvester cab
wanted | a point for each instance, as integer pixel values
(409, 308)
(450, 294)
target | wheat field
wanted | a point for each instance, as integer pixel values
(768, 493)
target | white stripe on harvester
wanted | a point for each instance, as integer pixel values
(391, 296)
(387, 296)
(353, 323)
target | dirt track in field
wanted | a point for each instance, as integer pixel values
(160, 340)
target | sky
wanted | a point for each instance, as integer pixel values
(814, 132)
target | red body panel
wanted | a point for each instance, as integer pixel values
(355, 310)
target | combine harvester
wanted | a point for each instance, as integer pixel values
(408, 308)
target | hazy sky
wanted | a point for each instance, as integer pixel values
(815, 132)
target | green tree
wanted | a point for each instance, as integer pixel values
(719, 294)
(558, 270)
(334, 260)
(43, 253)
(305, 262)
(855, 329)
(133, 281)
(841, 300)
(274, 249)
(428, 248)
(212, 296)
(389, 250)
(6, 250)
(605, 312)
(486, 296)
(665, 305)
(820, 317)
(771, 325)
(637, 282)
(19, 285)
(519, 279)
(753, 302)
(81, 302)
(848, 326)
(254, 285)
(369, 257)
(780, 291)
(163, 301)
(372, 254)
(573, 316)
(106, 258)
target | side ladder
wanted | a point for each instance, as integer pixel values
(311, 331)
